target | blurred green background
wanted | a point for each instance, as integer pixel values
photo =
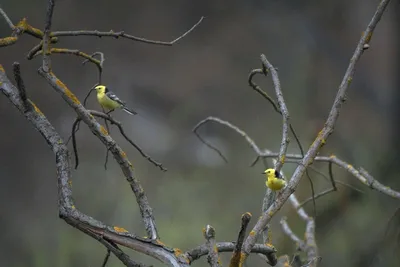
(173, 88)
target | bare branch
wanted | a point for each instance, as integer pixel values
(102, 59)
(283, 110)
(279, 110)
(259, 90)
(75, 128)
(20, 86)
(323, 193)
(106, 258)
(209, 235)
(6, 18)
(107, 117)
(46, 36)
(229, 125)
(118, 153)
(202, 250)
(66, 51)
(67, 210)
(124, 35)
(235, 259)
(288, 231)
(296, 158)
(310, 246)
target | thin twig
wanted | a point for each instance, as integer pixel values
(259, 90)
(209, 235)
(46, 36)
(323, 193)
(102, 59)
(75, 128)
(124, 35)
(35, 50)
(21, 85)
(106, 258)
(284, 111)
(70, 52)
(288, 231)
(122, 131)
(329, 179)
(6, 18)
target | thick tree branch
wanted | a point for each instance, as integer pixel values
(67, 210)
(119, 155)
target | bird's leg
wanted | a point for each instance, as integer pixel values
(108, 112)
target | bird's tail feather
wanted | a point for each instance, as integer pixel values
(130, 111)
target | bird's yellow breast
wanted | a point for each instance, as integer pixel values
(275, 183)
(106, 102)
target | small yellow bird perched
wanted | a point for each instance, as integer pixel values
(109, 101)
(274, 179)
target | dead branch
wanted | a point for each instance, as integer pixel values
(67, 209)
(209, 235)
(235, 259)
(122, 34)
(108, 117)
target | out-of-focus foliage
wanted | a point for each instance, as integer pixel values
(173, 88)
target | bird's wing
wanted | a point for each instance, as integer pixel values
(114, 97)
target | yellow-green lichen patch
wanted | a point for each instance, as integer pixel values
(177, 252)
(22, 24)
(349, 80)
(252, 233)
(349, 166)
(103, 130)
(282, 160)
(123, 154)
(1, 68)
(73, 207)
(37, 110)
(120, 229)
(8, 41)
(69, 94)
(158, 241)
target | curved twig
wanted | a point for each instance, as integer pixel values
(124, 35)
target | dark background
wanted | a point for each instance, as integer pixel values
(173, 88)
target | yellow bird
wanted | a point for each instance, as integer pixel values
(274, 179)
(109, 101)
